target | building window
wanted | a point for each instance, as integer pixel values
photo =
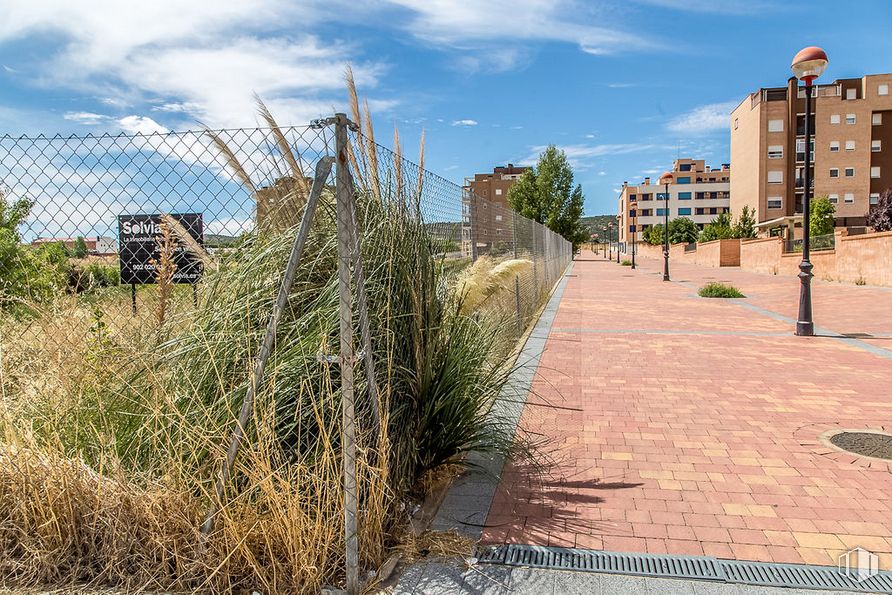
(850, 118)
(632, 228)
(699, 195)
(834, 172)
(498, 217)
(498, 192)
(775, 125)
(875, 171)
(633, 197)
(632, 213)
(736, 122)
(850, 172)
(775, 202)
(834, 198)
(834, 146)
(684, 167)
(800, 149)
(850, 145)
(876, 146)
(661, 196)
(646, 212)
(874, 198)
(684, 211)
(849, 197)
(645, 197)
(851, 94)
(775, 151)
(882, 89)
(661, 212)
(713, 211)
(834, 118)
(684, 196)
(698, 211)
(685, 180)
(775, 177)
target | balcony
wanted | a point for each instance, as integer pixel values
(800, 183)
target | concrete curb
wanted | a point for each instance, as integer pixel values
(470, 496)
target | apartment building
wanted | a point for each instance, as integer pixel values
(488, 221)
(698, 192)
(851, 149)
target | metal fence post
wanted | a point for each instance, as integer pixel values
(323, 167)
(474, 224)
(343, 192)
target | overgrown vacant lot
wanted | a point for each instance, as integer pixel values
(113, 431)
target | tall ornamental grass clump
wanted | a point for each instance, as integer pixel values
(105, 479)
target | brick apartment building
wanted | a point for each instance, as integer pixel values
(488, 221)
(699, 192)
(852, 150)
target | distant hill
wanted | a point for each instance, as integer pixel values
(596, 222)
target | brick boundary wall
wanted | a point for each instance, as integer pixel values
(861, 259)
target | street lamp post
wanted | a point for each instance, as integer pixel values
(617, 241)
(807, 65)
(634, 236)
(666, 179)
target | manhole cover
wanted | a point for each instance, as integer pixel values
(867, 444)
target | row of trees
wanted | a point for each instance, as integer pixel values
(684, 231)
(822, 220)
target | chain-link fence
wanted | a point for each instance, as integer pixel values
(215, 253)
(117, 231)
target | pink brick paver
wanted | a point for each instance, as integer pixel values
(682, 425)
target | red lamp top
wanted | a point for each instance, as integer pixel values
(809, 63)
(666, 178)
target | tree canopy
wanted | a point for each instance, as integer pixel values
(879, 216)
(546, 195)
(822, 216)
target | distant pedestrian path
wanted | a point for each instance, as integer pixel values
(687, 425)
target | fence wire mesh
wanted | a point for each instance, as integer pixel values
(109, 235)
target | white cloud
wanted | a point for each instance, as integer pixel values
(203, 56)
(86, 118)
(602, 173)
(732, 7)
(517, 128)
(703, 119)
(465, 122)
(484, 28)
(582, 156)
(141, 125)
(621, 85)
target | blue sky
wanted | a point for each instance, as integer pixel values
(624, 86)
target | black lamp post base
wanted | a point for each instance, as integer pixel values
(805, 326)
(805, 329)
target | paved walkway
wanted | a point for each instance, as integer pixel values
(685, 425)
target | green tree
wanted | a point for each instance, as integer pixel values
(653, 235)
(718, 229)
(80, 248)
(823, 216)
(745, 228)
(879, 217)
(683, 231)
(27, 275)
(546, 195)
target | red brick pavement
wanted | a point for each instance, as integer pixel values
(685, 425)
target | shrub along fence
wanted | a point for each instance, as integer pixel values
(182, 308)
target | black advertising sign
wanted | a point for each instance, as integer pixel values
(139, 236)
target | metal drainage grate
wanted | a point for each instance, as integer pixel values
(684, 567)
